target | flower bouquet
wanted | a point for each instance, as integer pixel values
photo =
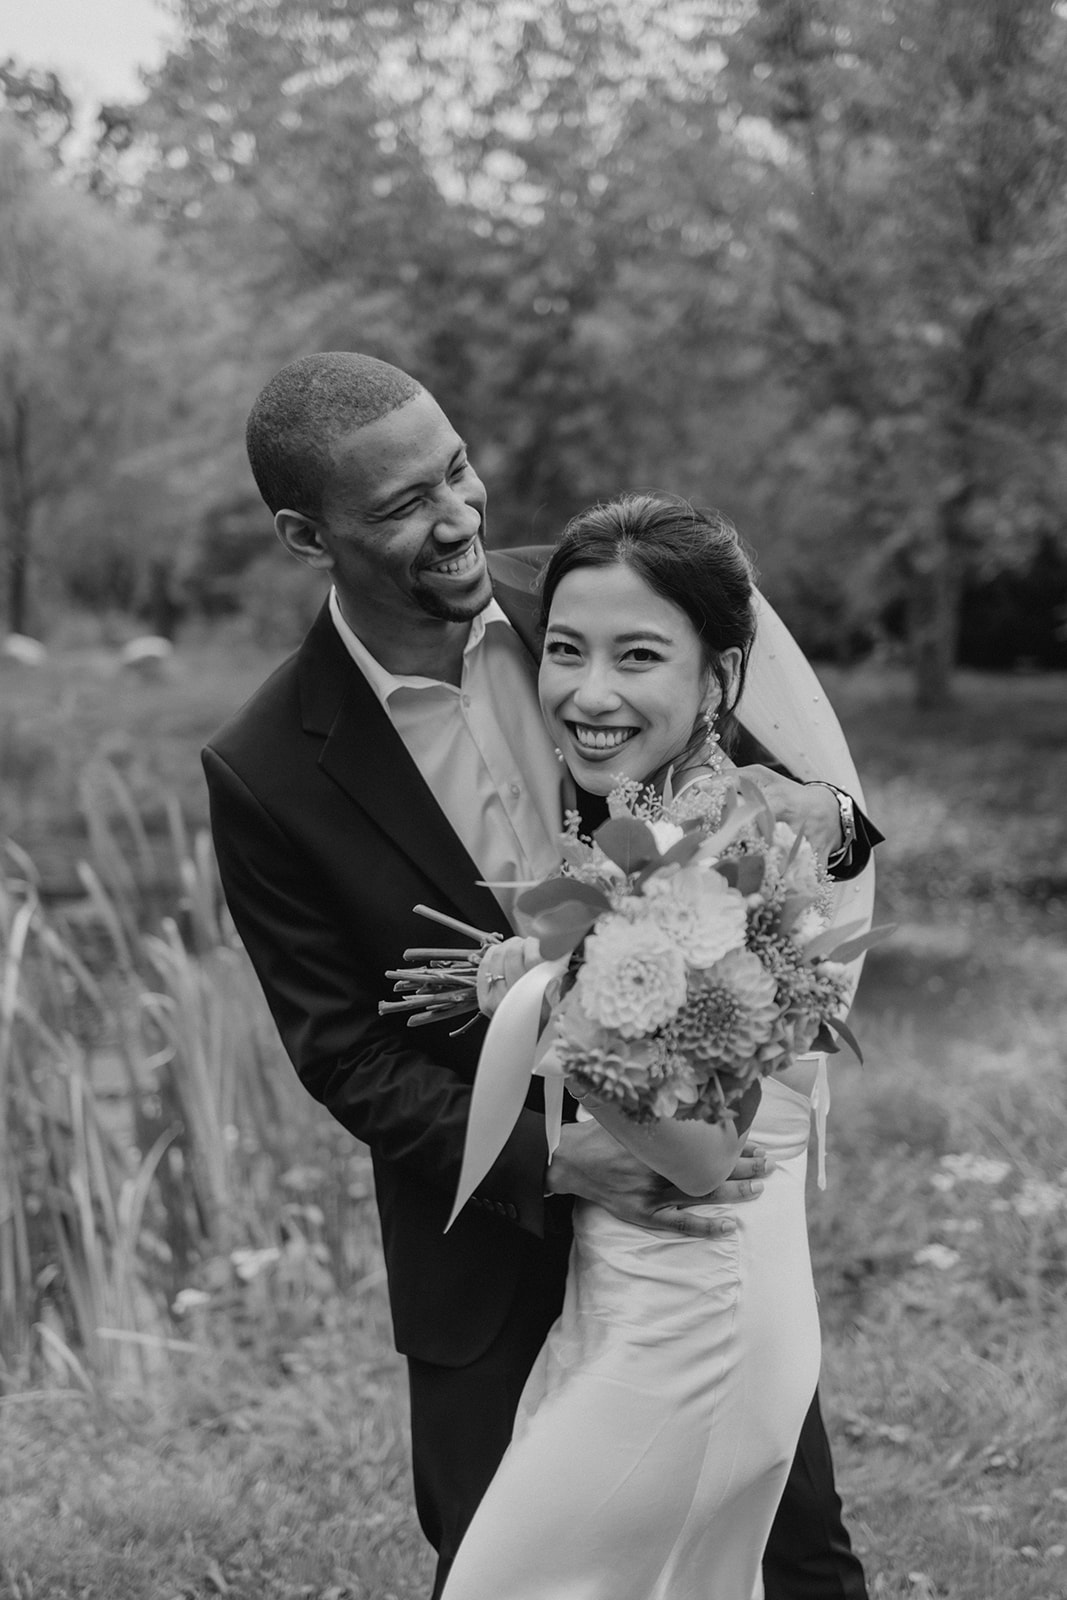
(700, 955)
(685, 951)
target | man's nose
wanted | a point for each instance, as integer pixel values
(457, 520)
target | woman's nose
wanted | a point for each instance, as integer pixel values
(596, 693)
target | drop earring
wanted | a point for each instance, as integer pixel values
(712, 754)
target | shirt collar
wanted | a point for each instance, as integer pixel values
(386, 683)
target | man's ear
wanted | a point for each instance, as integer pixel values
(303, 539)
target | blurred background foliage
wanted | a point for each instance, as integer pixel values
(802, 259)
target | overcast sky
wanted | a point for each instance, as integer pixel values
(96, 46)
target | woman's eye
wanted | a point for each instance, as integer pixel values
(642, 654)
(557, 648)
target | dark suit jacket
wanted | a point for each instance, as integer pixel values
(326, 837)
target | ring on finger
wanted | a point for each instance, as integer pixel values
(496, 977)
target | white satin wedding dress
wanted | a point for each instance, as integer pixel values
(656, 1430)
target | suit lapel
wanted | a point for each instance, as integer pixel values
(514, 573)
(363, 754)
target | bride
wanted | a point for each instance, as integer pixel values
(656, 1430)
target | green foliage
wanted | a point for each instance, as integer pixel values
(802, 260)
(916, 162)
(88, 310)
(152, 1135)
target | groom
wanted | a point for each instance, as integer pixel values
(398, 758)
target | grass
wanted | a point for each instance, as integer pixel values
(262, 1451)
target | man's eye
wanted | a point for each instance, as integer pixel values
(459, 469)
(407, 508)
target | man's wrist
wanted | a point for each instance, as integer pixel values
(846, 810)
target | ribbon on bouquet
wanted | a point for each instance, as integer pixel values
(514, 1050)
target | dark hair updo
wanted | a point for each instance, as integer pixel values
(691, 557)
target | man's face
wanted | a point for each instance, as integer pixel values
(404, 521)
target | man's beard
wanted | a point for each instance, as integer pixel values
(435, 605)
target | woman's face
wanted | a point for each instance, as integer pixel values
(623, 677)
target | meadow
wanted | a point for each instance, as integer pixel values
(198, 1392)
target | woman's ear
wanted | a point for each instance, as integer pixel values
(720, 684)
(303, 539)
(730, 672)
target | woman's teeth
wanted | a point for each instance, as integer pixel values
(459, 564)
(601, 738)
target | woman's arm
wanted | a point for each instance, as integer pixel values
(695, 1156)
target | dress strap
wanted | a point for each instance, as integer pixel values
(820, 1108)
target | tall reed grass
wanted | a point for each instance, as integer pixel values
(156, 1149)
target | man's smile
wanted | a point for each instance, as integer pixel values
(458, 566)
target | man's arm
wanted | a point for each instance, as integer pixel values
(827, 822)
(322, 980)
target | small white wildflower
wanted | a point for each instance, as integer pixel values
(187, 1300)
(940, 1256)
(248, 1264)
(1037, 1198)
(969, 1168)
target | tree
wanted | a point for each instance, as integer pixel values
(82, 292)
(520, 202)
(914, 156)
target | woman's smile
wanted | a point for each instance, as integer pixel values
(601, 739)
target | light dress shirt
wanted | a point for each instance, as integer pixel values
(481, 747)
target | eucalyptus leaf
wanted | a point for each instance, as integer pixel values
(735, 824)
(831, 939)
(559, 929)
(743, 873)
(851, 948)
(679, 855)
(841, 1027)
(794, 905)
(561, 891)
(628, 842)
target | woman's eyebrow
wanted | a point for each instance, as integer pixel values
(632, 637)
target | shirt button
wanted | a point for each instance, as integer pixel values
(466, 699)
(516, 789)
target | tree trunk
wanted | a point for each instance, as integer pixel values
(18, 567)
(933, 615)
(16, 512)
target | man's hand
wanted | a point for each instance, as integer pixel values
(808, 806)
(590, 1163)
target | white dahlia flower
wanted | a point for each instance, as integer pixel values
(634, 977)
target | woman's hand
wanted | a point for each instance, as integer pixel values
(501, 967)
